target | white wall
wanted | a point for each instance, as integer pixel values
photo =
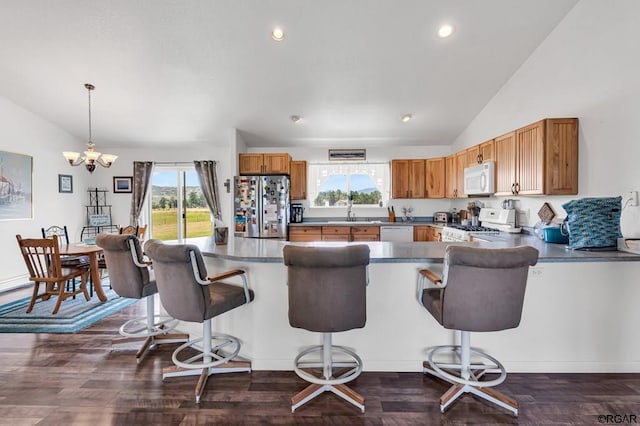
(25, 133)
(587, 68)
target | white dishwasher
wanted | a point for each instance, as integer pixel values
(399, 233)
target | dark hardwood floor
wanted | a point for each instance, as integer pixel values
(64, 379)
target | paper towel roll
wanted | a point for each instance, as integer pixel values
(630, 222)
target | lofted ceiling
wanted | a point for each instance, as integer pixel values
(172, 73)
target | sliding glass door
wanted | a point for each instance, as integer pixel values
(178, 207)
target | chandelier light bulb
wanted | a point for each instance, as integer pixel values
(277, 34)
(445, 31)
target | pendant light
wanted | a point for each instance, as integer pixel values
(90, 157)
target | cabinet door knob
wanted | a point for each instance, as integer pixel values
(513, 188)
(517, 188)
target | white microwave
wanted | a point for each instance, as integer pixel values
(480, 179)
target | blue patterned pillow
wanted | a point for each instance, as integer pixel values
(593, 222)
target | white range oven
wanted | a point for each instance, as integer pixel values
(456, 233)
(493, 221)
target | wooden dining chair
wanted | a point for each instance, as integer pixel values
(129, 229)
(70, 261)
(42, 257)
(141, 230)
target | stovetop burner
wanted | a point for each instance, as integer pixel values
(470, 228)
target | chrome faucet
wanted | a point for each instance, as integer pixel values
(351, 217)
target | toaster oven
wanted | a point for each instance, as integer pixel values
(442, 217)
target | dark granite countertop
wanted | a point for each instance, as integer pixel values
(270, 250)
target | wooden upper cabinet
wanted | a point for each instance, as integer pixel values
(264, 164)
(399, 178)
(530, 159)
(460, 164)
(408, 178)
(250, 164)
(480, 153)
(435, 171)
(505, 154)
(417, 178)
(561, 156)
(538, 159)
(450, 176)
(473, 156)
(487, 151)
(298, 180)
(277, 164)
(454, 174)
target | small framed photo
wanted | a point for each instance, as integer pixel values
(347, 154)
(65, 183)
(122, 184)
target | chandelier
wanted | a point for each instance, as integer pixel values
(90, 157)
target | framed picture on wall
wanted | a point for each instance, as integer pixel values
(122, 184)
(16, 186)
(65, 183)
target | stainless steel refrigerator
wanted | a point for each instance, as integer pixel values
(261, 206)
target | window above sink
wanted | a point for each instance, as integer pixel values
(330, 184)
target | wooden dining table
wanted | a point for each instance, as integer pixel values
(92, 251)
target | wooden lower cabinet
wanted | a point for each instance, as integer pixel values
(365, 233)
(422, 233)
(335, 233)
(427, 233)
(305, 234)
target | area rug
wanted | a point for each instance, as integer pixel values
(73, 315)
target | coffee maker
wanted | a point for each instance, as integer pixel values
(296, 213)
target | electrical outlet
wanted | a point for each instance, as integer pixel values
(535, 271)
(632, 198)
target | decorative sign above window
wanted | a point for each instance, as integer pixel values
(347, 154)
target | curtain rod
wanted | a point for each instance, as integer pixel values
(174, 163)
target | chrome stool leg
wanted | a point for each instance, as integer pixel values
(326, 381)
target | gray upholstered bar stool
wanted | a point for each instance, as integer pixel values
(327, 294)
(481, 290)
(131, 277)
(189, 295)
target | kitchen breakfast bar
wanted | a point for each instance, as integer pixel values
(580, 310)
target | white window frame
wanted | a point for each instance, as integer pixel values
(318, 172)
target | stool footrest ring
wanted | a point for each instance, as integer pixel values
(355, 366)
(206, 360)
(138, 327)
(439, 369)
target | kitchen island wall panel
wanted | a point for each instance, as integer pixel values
(579, 313)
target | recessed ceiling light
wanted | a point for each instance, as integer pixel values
(296, 118)
(406, 118)
(445, 31)
(277, 34)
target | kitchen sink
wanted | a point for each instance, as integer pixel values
(357, 222)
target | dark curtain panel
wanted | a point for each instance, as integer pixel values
(141, 177)
(209, 182)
